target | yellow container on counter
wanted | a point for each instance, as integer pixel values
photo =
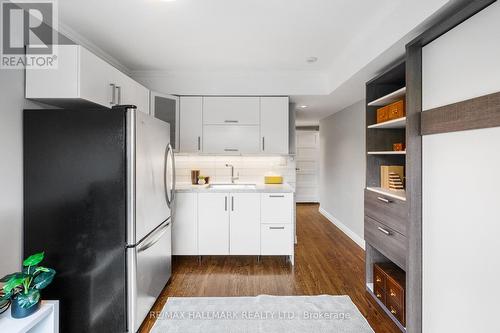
(273, 179)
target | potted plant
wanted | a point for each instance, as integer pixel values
(22, 289)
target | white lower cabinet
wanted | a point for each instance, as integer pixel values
(213, 223)
(185, 225)
(276, 239)
(244, 224)
(233, 224)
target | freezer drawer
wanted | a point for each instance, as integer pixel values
(150, 269)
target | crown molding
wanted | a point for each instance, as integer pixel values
(81, 40)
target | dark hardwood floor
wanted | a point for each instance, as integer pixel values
(326, 262)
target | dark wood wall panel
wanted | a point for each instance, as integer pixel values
(414, 188)
(475, 113)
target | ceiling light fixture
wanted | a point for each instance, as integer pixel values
(303, 106)
(311, 59)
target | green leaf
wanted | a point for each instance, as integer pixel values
(8, 277)
(43, 279)
(34, 259)
(29, 299)
(42, 269)
(13, 283)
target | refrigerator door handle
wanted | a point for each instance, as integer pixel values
(153, 238)
(169, 192)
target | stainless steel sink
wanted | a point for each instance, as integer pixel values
(232, 186)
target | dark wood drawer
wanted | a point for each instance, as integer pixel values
(379, 293)
(396, 310)
(379, 278)
(395, 292)
(391, 212)
(390, 243)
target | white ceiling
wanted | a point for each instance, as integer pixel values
(246, 46)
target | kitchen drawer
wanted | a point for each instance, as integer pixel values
(395, 292)
(379, 293)
(390, 243)
(276, 207)
(276, 239)
(396, 310)
(379, 278)
(391, 212)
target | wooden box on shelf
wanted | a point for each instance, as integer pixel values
(396, 110)
(389, 284)
(386, 170)
(383, 114)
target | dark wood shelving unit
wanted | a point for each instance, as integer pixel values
(385, 210)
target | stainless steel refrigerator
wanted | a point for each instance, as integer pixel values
(98, 196)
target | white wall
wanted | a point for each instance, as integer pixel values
(11, 168)
(461, 184)
(343, 169)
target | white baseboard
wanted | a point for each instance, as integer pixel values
(351, 234)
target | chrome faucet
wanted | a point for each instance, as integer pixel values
(233, 178)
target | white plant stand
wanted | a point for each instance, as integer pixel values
(45, 320)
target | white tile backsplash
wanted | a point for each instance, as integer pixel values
(251, 169)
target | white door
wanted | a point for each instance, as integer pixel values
(245, 224)
(185, 225)
(230, 139)
(274, 125)
(213, 223)
(231, 110)
(191, 124)
(307, 165)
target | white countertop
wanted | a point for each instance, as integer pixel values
(259, 188)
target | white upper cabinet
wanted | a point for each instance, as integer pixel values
(274, 125)
(231, 110)
(231, 139)
(82, 78)
(191, 124)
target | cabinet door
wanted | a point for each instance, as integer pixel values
(230, 139)
(244, 224)
(213, 223)
(166, 108)
(185, 225)
(231, 110)
(274, 125)
(97, 78)
(191, 124)
(60, 82)
(131, 92)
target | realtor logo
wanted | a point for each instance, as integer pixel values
(29, 34)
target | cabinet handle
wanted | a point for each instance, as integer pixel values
(384, 231)
(276, 228)
(230, 149)
(276, 196)
(231, 121)
(225, 204)
(113, 93)
(232, 203)
(119, 94)
(263, 143)
(384, 200)
(199, 143)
